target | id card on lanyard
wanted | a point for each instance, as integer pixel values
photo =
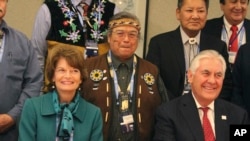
(126, 118)
(225, 38)
(124, 101)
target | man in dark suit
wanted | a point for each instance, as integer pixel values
(234, 14)
(171, 51)
(241, 78)
(183, 119)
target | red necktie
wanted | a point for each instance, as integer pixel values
(207, 128)
(233, 42)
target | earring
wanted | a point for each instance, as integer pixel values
(53, 85)
(79, 89)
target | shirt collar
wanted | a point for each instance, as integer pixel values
(116, 62)
(185, 37)
(88, 2)
(210, 106)
(77, 2)
(4, 26)
(227, 25)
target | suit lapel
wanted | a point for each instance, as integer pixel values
(218, 29)
(190, 112)
(247, 30)
(47, 107)
(221, 121)
(202, 45)
(204, 42)
(178, 49)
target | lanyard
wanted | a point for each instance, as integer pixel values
(240, 33)
(113, 74)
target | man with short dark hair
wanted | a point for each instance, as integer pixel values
(173, 51)
(234, 15)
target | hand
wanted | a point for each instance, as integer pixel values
(6, 121)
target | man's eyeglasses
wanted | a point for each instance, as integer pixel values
(122, 34)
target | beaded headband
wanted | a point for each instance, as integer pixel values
(126, 21)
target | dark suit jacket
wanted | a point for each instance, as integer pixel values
(241, 78)
(178, 120)
(214, 27)
(167, 52)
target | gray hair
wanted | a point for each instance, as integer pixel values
(195, 63)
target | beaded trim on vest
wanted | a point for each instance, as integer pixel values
(98, 90)
(93, 20)
(70, 16)
(95, 23)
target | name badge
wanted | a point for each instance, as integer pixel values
(232, 56)
(127, 123)
(91, 49)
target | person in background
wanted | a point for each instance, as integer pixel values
(21, 76)
(200, 115)
(241, 78)
(173, 51)
(79, 23)
(62, 114)
(126, 88)
(235, 12)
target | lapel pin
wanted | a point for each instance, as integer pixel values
(223, 117)
(149, 79)
(96, 75)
